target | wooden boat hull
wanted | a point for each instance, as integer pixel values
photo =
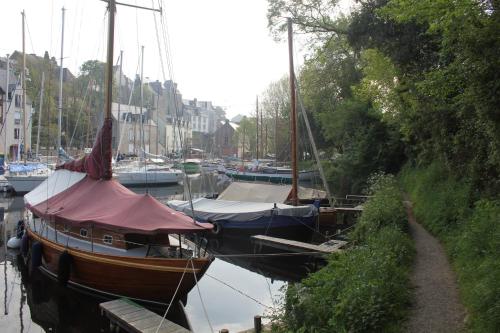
(149, 279)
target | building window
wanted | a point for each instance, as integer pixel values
(83, 233)
(66, 228)
(130, 135)
(16, 133)
(226, 140)
(17, 101)
(17, 118)
(107, 239)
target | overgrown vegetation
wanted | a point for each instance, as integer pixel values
(470, 229)
(413, 82)
(364, 289)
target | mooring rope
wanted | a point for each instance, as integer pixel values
(173, 297)
(239, 291)
(201, 298)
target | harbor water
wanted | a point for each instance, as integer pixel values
(237, 286)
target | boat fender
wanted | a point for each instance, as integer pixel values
(36, 255)
(217, 229)
(64, 268)
(14, 243)
(25, 243)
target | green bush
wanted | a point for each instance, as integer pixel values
(364, 289)
(471, 235)
(383, 209)
(440, 201)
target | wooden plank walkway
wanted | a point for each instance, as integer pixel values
(132, 317)
(295, 246)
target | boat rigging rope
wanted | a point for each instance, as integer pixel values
(177, 122)
(80, 112)
(241, 292)
(173, 297)
(201, 298)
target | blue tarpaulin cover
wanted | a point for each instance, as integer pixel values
(19, 167)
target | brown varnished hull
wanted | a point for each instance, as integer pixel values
(151, 279)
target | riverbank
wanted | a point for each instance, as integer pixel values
(366, 288)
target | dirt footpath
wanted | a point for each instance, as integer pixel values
(437, 306)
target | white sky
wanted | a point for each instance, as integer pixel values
(221, 49)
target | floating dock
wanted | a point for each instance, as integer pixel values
(295, 246)
(131, 317)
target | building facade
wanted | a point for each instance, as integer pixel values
(128, 128)
(14, 143)
(226, 144)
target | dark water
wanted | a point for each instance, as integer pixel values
(236, 287)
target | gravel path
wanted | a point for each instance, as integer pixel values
(437, 306)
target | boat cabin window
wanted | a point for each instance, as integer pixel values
(107, 239)
(66, 228)
(83, 232)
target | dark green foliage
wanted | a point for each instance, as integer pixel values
(441, 200)
(425, 73)
(471, 234)
(364, 289)
(365, 144)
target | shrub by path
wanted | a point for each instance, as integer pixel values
(437, 306)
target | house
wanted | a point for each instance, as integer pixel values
(126, 136)
(174, 121)
(205, 119)
(225, 141)
(12, 136)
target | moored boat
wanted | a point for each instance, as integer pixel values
(148, 176)
(25, 177)
(112, 236)
(252, 217)
(91, 232)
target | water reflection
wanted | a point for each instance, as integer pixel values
(237, 286)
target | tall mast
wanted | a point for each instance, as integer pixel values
(293, 115)
(141, 126)
(23, 75)
(59, 121)
(5, 109)
(109, 59)
(39, 116)
(276, 136)
(257, 123)
(119, 102)
(262, 151)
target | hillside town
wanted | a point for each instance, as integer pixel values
(169, 121)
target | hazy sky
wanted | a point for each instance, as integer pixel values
(221, 49)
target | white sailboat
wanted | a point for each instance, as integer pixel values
(142, 175)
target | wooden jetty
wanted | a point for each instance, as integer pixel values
(131, 317)
(295, 246)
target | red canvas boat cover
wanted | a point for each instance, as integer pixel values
(108, 204)
(97, 164)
